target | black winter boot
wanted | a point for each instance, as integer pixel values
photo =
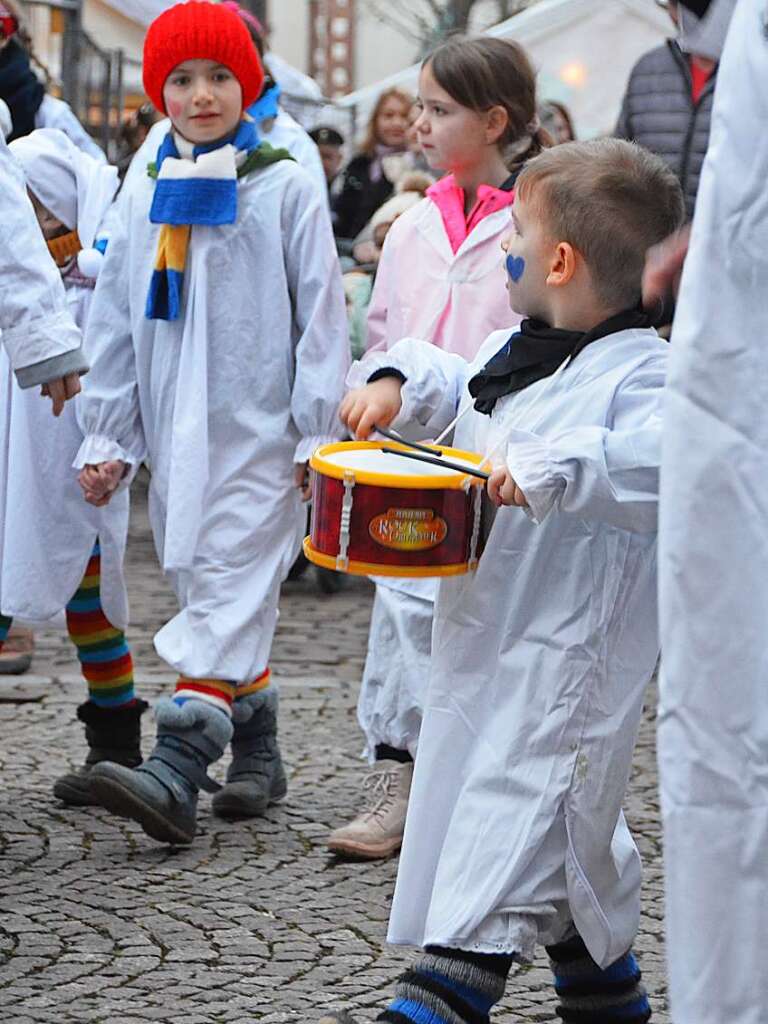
(112, 734)
(256, 777)
(162, 794)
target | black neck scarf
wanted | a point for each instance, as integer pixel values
(20, 87)
(536, 351)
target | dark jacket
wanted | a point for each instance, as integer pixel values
(359, 198)
(658, 112)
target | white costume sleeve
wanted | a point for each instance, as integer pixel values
(38, 332)
(610, 474)
(434, 382)
(55, 113)
(320, 317)
(108, 410)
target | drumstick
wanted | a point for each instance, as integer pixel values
(443, 463)
(411, 444)
(452, 424)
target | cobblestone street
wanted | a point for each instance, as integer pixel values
(255, 921)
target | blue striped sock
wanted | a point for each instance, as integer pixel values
(449, 987)
(589, 995)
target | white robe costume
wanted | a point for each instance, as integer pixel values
(55, 113)
(223, 401)
(38, 332)
(48, 530)
(539, 660)
(713, 565)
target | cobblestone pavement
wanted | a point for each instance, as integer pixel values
(255, 921)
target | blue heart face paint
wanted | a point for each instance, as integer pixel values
(515, 267)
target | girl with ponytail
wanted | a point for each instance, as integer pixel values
(440, 279)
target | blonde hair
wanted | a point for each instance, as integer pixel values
(611, 200)
(371, 139)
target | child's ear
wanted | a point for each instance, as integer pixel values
(562, 266)
(496, 121)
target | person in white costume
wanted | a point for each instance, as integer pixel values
(540, 659)
(38, 335)
(713, 553)
(438, 280)
(57, 551)
(224, 365)
(276, 126)
(42, 341)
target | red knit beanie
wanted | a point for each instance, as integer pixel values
(199, 30)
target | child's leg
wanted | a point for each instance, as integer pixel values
(112, 714)
(389, 711)
(256, 777)
(449, 986)
(445, 986)
(590, 995)
(102, 650)
(193, 728)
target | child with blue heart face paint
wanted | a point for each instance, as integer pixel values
(540, 659)
(515, 267)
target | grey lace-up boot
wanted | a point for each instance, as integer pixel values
(162, 794)
(256, 777)
(378, 831)
(112, 734)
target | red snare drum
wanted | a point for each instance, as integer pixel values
(378, 514)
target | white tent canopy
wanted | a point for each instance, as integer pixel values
(583, 51)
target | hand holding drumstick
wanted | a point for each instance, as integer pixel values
(502, 489)
(380, 402)
(364, 407)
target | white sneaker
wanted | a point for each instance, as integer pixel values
(378, 831)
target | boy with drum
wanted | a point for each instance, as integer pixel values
(515, 834)
(222, 351)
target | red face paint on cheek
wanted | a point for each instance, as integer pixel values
(174, 109)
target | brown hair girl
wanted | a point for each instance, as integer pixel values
(484, 73)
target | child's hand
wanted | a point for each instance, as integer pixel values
(61, 390)
(301, 480)
(502, 489)
(99, 482)
(375, 403)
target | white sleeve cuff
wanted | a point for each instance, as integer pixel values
(96, 448)
(362, 369)
(307, 446)
(45, 337)
(530, 463)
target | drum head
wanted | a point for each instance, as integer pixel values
(370, 465)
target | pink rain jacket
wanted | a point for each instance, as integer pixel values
(426, 290)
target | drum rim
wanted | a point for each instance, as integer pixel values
(450, 481)
(355, 568)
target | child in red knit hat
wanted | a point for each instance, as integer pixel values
(223, 350)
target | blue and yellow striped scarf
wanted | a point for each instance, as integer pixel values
(198, 189)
